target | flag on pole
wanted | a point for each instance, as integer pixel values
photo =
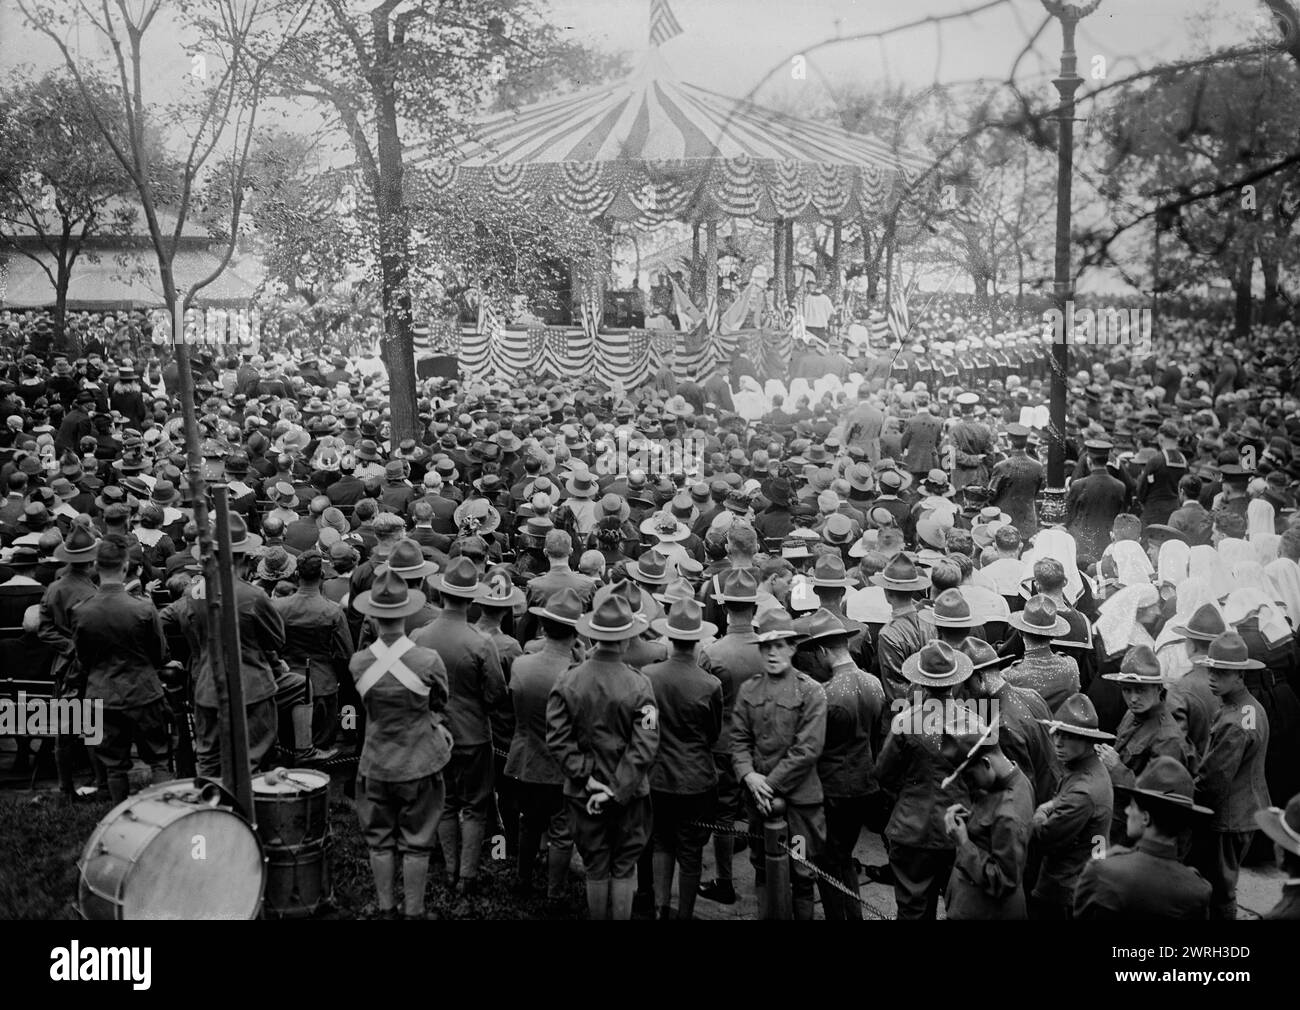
(899, 323)
(663, 25)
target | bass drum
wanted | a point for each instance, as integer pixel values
(171, 852)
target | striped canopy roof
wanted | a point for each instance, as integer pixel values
(654, 148)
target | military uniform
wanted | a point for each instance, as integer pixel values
(778, 729)
(399, 794)
(1092, 504)
(602, 721)
(477, 691)
(1194, 707)
(1157, 490)
(1025, 740)
(1078, 821)
(542, 808)
(1147, 881)
(1231, 783)
(1054, 677)
(317, 644)
(55, 630)
(1015, 484)
(912, 767)
(988, 868)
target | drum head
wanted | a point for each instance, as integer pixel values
(290, 782)
(204, 865)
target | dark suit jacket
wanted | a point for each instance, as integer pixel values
(921, 442)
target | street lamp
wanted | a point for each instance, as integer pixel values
(1069, 13)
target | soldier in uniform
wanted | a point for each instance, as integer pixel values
(1073, 826)
(542, 806)
(683, 779)
(1016, 482)
(76, 584)
(992, 835)
(1094, 500)
(602, 727)
(1157, 489)
(1283, 826)
(1231, 777)
(1148, 880)
(912, 768)
(973, 443)
(777, 734)
(733, 659)
(399, 791)
(477, 694)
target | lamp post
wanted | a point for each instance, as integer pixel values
(1069, 14)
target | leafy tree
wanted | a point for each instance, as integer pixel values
(60, 183)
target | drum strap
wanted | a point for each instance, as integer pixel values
(388, 659)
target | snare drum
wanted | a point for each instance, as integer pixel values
(292, 807)
(170, 852)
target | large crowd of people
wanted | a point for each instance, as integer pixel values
(844, 597)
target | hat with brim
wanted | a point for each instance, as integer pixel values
(612, 621)
(1139, 666)
(823, 625)
(665, 527)
(1035, 617)
(241, 541)
(970, 741)
(80, 546)
(938, 664)
(685, 623)
(901, 575)
(774, 625)
(390, 598)
(489, 518)
(1229, 652)
(1282, 825)
(581, 484)
(501, 593)
(460, 579)
(739, 586)
(982, 656)
(1166, 782)
(1077, 717)
(651, 570)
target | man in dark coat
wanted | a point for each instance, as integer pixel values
(1094, 501)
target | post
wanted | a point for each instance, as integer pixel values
(240, 783)
(1066, 85)
(777, 860)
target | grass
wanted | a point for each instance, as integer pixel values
(42, 835)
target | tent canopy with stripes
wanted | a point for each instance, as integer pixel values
(652, 148)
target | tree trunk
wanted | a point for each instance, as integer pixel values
(1242, 302)
(1271, 268)
(62, 281)
(395, 294)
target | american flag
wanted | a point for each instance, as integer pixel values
(899, 321)
(559, 343)
(638, 341)
(536, 342)
(663, 25)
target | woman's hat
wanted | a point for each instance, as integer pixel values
(1168, 782)
(1078, 717)
(80, 546)
(1039, 618)
(564, 606)
(460, 579)
(1229, 652)
(893, 481)
(581, 484)
(284, 495)
(1283, 826)
(164, 493)
(938, 664)
(408, 560)
(651, 567)
(389, 597)
(1206, 624)
(612, 621)
(276, 564)
(500, 592)
(613, 505)
(664, 526)
(685, 622)
(1139, 666)
(901, 575)
(937, 482)
(368, 450)
(477, 511)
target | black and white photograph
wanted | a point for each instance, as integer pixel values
(549, 461)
